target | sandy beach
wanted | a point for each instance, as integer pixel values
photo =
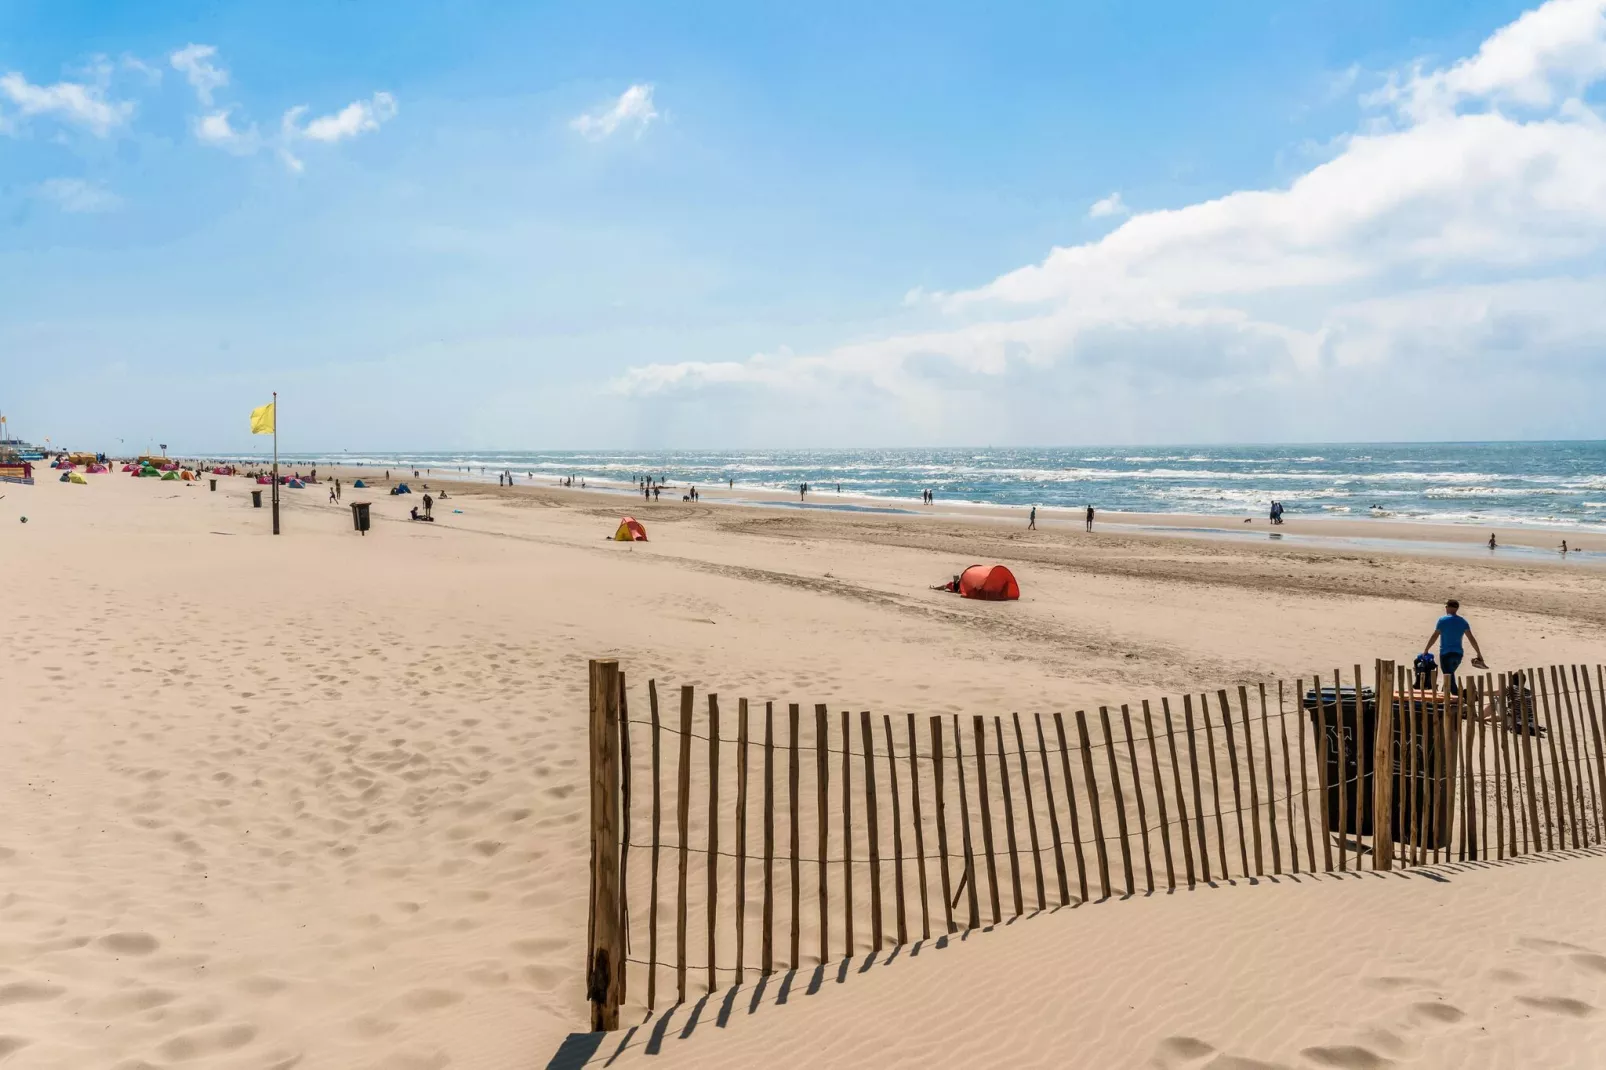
(320, 800)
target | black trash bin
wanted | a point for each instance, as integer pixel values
(256, 499)
(213, 482)
(359, 516)
(1332, 712)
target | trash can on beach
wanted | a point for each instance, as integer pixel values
(256, 499)
(359, 516)
(213, 482)
(1332, 712)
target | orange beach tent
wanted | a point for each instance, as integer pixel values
(630, 530)
(995, 583)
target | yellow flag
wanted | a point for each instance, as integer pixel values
(262, 420)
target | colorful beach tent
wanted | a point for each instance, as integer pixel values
(76, 478)
(630, 530)
(360, 484)
(995, 583)
(170, 475)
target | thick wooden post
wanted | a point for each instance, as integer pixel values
(605, 976)
(1383, 769)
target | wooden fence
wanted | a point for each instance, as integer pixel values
(801, 826)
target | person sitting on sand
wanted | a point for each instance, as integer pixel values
(1449, 631)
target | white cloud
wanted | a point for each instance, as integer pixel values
(195, 62)
(358, 117)
(74, 102)
(76, 195)
(1546, 55)
(1108, 206)
(149, 72)
(1447, 240)
(216, 129)
(632, 111)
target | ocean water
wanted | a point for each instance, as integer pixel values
(1540, 483)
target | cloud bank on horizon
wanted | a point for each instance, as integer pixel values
(797, 232)
(1455, 237)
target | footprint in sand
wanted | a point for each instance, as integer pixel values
(1346, 1057)
(1589, 961)
(28, 992)
(1571, 1008)
(129, 943)
(214, 1041)
(1173, 1053)
(1436, 1013)
(430, 999)
(132, 1002)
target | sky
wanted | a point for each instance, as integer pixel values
(477, 225)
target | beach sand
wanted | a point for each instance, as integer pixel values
(320, 800)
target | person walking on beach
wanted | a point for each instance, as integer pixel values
(1031, 523)
(429, 504)
(334, 495)
(1449, 631)
(1090, 518)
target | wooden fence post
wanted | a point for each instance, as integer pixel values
(1176, 783)
(713, 835)
(1009, 818)
(822, 803)
(1093, 802)
(1053, 814)
(683, 820)
(657, 816)
(605, 973)
(1383, 770)
(942, 823)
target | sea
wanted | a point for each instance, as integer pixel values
(1559, 484)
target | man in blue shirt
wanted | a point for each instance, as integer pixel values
(1449, 632)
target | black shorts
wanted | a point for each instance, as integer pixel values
(1450, 661)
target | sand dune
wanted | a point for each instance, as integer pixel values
(319, 800)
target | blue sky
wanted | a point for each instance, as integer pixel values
(808, 225)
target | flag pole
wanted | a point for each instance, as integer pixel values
(275, 461)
